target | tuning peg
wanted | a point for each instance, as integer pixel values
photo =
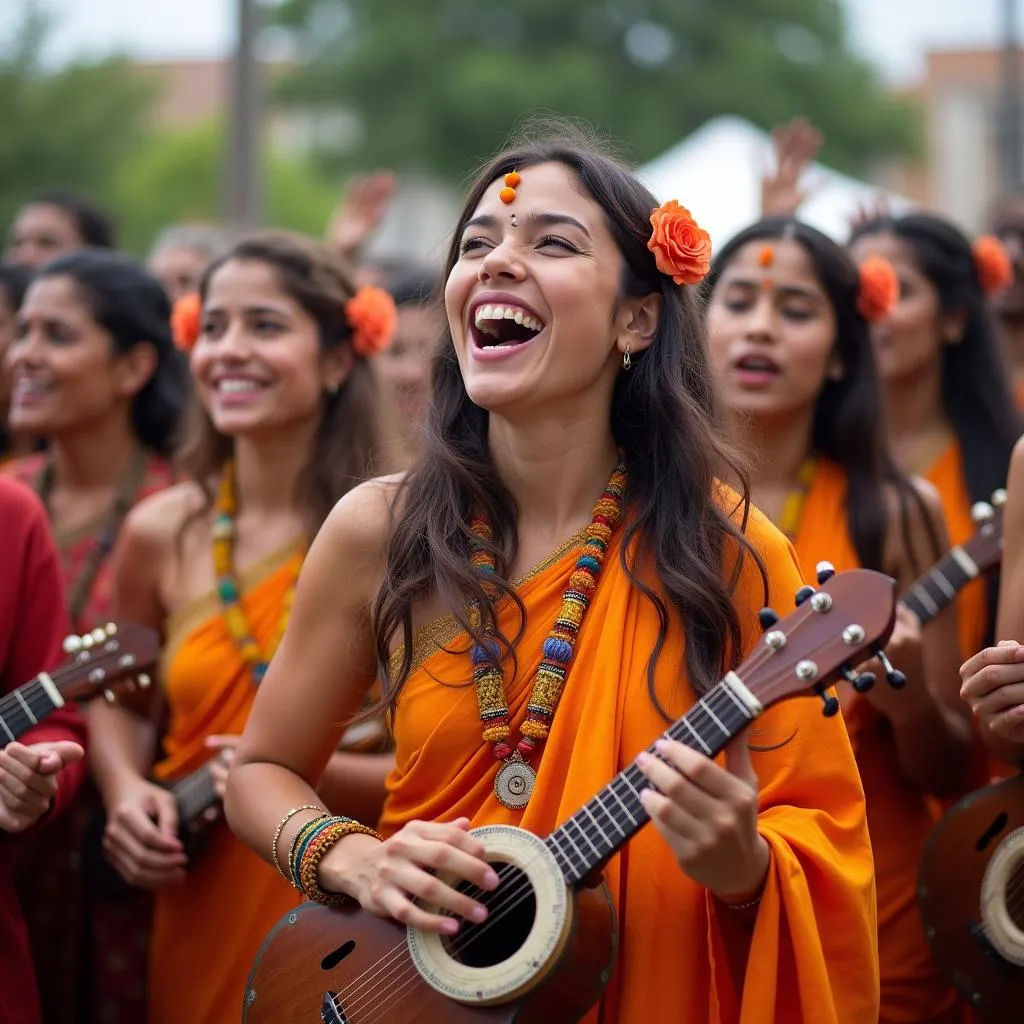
(860, 681)
(110, 629)
(98, 636)
(830, 702)
(110, 696)
(999, 498)
(824, 571)
(767, 618)
(982, 512)
(143, 680)
(893, 676)
(72, 644)
(87, 641)
(803, 594)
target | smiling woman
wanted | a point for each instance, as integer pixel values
(560, 575)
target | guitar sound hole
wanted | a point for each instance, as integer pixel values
(1014, 902)
(511, 910)
(332, 960)
(997, 826)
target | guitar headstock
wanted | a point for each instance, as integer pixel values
(985, 545)
(841, 625)
(107, 656)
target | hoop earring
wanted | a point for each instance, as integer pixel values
(626, 361)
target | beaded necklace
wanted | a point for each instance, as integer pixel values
(515, 779)
(793, 507)
(80, 588)
(228, 588)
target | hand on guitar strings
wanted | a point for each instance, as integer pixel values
(708, 816)
(28, 780)
(221, 764)
(385, 878)
(141, 838)
(993, 686)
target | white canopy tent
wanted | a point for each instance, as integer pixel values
(716, 173)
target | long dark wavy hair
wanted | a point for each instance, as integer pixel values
(975, 381)
(132, 307)
(849, 423)
(351, 433)
(680, 543)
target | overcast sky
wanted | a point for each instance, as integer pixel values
(894, 33)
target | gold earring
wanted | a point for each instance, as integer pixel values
(626, 361)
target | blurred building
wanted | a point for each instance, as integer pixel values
(960, 101)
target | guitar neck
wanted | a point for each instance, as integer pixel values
(586, 841)
(195, 795)
(27, 706)
(938, 588)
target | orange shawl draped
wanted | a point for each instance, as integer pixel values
(206, 932)
(899, 817)
(947, 476)
(812, 952)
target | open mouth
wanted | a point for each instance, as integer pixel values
(504, 326)
(759, 365)
(27, 389)
(238, 385)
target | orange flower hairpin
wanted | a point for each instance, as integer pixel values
(372, 316)
(186, 320)
(681, 247)
(879, 289)
(995, 269)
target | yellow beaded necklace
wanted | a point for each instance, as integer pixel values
(793, 507)
(228, 587)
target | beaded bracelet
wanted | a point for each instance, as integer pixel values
(308, 829)
(325, 836)
(280, 828)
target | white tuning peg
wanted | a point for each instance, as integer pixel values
(999, 498)
(110, 696)
(87, 640)
(98, 636)
(143, 680)
(982, 511)
(72, 644)
(110, 629)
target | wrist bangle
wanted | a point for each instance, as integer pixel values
(280, 828)
(741, 906)
(327, 834)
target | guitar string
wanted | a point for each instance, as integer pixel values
(753, 663)
(763, 654)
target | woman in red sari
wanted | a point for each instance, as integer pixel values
(94, 371)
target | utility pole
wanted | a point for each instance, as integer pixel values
(243, 198)
(1011, 102)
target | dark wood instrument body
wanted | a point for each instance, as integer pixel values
(288, 983)
(949, 894)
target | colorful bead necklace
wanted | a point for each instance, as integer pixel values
(228, 588)
(515, 779)
(793, 507)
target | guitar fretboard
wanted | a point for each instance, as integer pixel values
(938, 588)
(195, 794)
(26, 706)
(606, 822)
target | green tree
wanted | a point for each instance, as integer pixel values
(439, 84)
(74, 127)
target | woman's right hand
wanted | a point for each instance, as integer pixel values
(141, 838)
(387, 878)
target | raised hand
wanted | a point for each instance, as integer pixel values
(359, 212)
(783, 190)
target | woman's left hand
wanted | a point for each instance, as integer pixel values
(708, 816)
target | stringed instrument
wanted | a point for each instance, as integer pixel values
(97, 663)
(971, 895)
(983, 552)
(555, 948)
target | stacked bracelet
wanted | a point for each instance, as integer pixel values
(311, 843)
(280, 828)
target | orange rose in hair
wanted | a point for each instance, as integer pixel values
(879, 289)
(186, 320)
(681, 247)
(372, 316)
(995, 271)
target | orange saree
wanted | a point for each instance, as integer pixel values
(899, 816)
(206, 932)
(812, 952)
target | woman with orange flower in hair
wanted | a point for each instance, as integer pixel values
(788, 337)
(560, 577)
(287, 422)
(950, 411)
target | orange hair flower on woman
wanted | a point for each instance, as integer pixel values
(681, 247)
(186, 320)
(373, 318)
(995, 270)
(879, 289)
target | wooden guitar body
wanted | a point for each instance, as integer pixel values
(363, 962)
(971, 895)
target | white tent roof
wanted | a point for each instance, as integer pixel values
(716, 173)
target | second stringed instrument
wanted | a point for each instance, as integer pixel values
(554, 950)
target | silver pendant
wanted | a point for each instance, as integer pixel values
(513, 784)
